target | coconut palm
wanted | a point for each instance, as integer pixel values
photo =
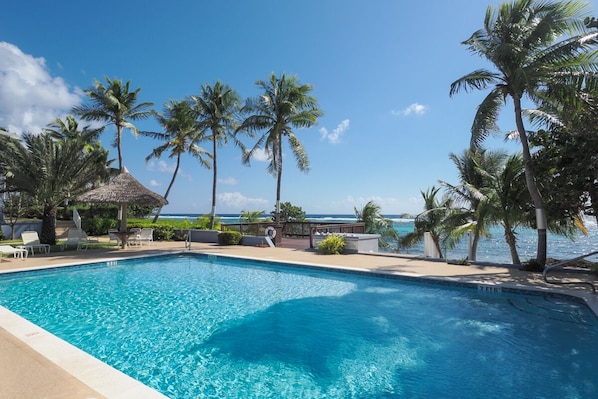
(371, 215)
(50, 171)
(505, 199)
(69, 130)
(218, 108)
(473, 166)
(376, 223)
(181, 136)
(283, 106)
(538, 48)
(431, 220)
(115, 104)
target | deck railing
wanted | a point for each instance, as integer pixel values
(295, 229)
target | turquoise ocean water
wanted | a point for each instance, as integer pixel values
(493, 249)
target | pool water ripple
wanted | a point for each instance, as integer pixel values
(192, 326)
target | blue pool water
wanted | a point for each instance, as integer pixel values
(211, 327)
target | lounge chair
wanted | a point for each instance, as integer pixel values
(31, 242)
(113, 236)
(77, 237)
(7, 249)
(134, 235)
(146, 235)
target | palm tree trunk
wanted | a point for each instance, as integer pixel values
(119, 218)
(530, 180)
(512, 243)
(48, 234)
(214, 179)
(436, 239)
(278, 163)
(474, 247)
(118, 146)
(176, 170)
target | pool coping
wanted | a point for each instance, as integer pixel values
(111, 383)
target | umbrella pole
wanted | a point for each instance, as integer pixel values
(123, 225)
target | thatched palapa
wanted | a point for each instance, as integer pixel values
(124, 189)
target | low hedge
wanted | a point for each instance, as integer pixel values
(229, 238)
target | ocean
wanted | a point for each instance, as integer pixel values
(493, 249)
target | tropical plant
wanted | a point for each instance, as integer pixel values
(69, 130)
(217, 110)
(334, 244)
(371, 215)
(181, 136)
(431, 220)
(50, 171)
(543, 52)
(376, 223)
(472, 165)
(251, 217)
(229, 238)
(114, 104)
(290, 213)
(283, 106)
(563, 155)
(12, 208)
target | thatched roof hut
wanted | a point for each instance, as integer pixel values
(124, 189)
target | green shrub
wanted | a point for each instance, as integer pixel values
(332, 245)
(229, 238)
(162, 232)
(97, 226)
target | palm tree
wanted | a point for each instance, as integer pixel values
(69, 130)
(376, 223)
(181, 135)
(371, 215)
(284, 105)
(114, 104)
(252, 217)
(50, 171)
(505, 199)
(431, 220)
(473, 166)
(521, 39)
(217, 109)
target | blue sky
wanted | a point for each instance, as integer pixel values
(381, 72)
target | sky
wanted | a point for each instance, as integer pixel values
(380, 70)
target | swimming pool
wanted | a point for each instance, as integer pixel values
(213, 327)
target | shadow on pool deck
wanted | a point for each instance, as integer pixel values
(24, 373)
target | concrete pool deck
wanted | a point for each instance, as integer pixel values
(35, 364)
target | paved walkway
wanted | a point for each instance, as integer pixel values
(35, 364)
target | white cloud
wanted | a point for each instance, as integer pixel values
(30, 98)
(237, 200)
(260, 155)
(336, 134)
(229, 181)
(161, 166)
(414, 108)
(154, 183)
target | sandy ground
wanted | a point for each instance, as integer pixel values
(35, 364)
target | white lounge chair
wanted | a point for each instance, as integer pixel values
(7, 250)
(77, 237)
(134, 235)
(146, 235)
(113, 236)
(31, 242)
